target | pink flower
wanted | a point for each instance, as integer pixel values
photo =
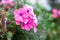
(26, 18)
(54, 16)
(54, 11)
(59, 12)
(10, 2)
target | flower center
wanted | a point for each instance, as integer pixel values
(27, 23)
(27, 10)
(20, 14)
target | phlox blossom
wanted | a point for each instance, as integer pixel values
(26, 18)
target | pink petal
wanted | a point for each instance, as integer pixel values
(35, 30)
(54, 11)
(18, 18)
(27, 28)
(16, 12)
(22, 26)
(54, 16)
(18, 22)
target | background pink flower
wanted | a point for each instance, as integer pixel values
(54, 11)
(10, 2)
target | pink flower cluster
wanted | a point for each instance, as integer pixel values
(26, 18)
(56, 13)
(10, 2)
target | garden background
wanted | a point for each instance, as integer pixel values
(48, 27)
